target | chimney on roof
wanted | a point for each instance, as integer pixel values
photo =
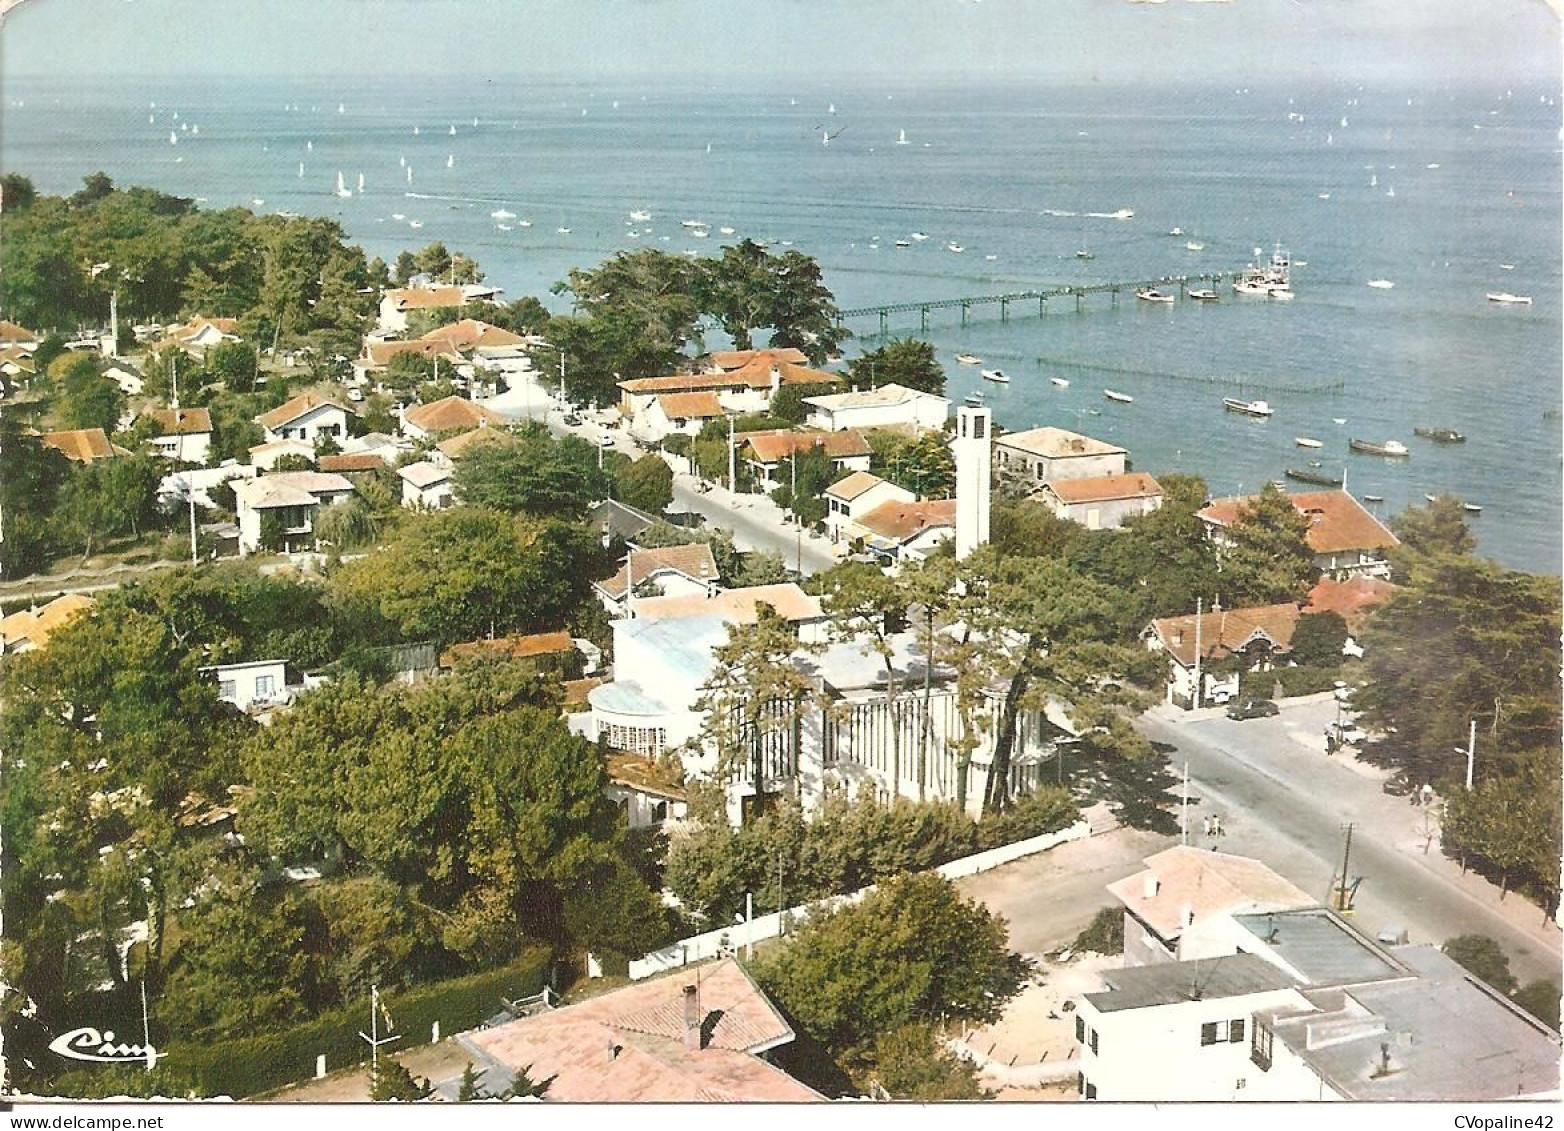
(692, 1018)
(1178, 637)
(1186, 916)
(613, 1049)
(1151, 886)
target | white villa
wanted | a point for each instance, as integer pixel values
(306, 417)
(256, 683)
(1040, 454)
(1101, 502)
(426, 485)
(877, 408)
(295, 496)
(849, 499)
(183, 434)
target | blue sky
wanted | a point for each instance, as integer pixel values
(1075, 41)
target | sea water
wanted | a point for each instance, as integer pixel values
(1021, 178)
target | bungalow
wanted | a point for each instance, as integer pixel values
(671, 570)
(130, 382)
(395, 305)
(84, 445)
(726, 361)
(1050, 454)
(447, 452)
(449, 414)
(266, 455)
(877, 408)
(1344, 537)
(200, 334)
(12, 335)
(382, 444)
(663, 1040)
(1220, 645)
(182, 434)
(426, 486)
(293, 496)
(471, 334)
(908, 531)
(766, 451)
(307, 417)
(1102, 502)
(747, 388)
(679, 412)
(851, 498)
(30, 629)
(258, 683)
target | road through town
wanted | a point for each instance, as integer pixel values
(1282, 800)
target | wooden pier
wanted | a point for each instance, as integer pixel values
(1078, 291)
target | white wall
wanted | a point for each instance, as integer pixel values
(246, 677)
(321, 420)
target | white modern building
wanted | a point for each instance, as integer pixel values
(877, 408)
(849, 499)
(1101, 502)
(183, 435)
(974, 428)
(426, 485)
(1038, 454)
(261, 683)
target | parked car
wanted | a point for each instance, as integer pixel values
(355, 394)
(1398, 785)
(573, 419)
(1253, 709)
(606, 440)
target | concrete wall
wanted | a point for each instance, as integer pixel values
(710, 944)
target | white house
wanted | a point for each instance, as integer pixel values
(130, 382)
(175, 487)
(307, 417)
(687, 413)
(851, 498)
(877, 408)
(256, 683)
(768, 452)
(426, 486)
(1028, 458)
(13, 335)
(201, 334)
(669, 571)
(1101, 502)
(645, 791)
(182, 434)
(1345, 538)
(294, 497)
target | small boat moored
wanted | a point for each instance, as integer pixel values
(1311, 475)
(1203, 294)
(1150, 294)
(975, 400)
(1507, 298)
(968, 359)
(1059, 381)
(998, 376)
(1392, 448)
(1373, 498)
(1122, 398)
(1307, 442)
(1440, 435)
(1247, 408)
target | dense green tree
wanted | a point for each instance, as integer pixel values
(1269, 560)
(748, 288)
(1483, 957)
(646, 484)
(1541, 1000)
(912, 1063)
(801, 491)
(32, 476)
(392, 1083)
(787, 403)
(16, 192)
(912, 951)
(88, 399)
(905, 362)
(922, 463)
(236, 365)
(347, 526)
(1317, 639)
(1027, 528)
(539, 475)
(1438, 528)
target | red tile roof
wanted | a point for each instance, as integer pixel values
(381, 353)
(510, 647)
(356, 461)
(683, 383)
(11, 332)
(1351, 599)
(450, 413)
(735, 606)
(37, 627)
(690, 406)
(693, 561)
(1105, 488)
(780, 443)
(738, 359)
(418, 298)
(901, 522)
(1226, 631)
(83, 445)
(763, 372)
(1337, 521)
(181, 421)
(850, 487)
(469, 333)
(458, 446)
(629, 1045)
(291, 410)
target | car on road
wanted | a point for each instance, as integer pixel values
(1253, 709)
(573, 419)
(1398, 785)
(605, 440)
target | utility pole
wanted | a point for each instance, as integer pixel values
(179, 431)
(373, 1037)
(1183, 810)
(798, 522)
(1340, 892)
(1200, 606)
(1471, 754)
(732, 464)
(562, 378)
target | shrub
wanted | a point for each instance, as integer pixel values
(1305, 680)
(1104, 934)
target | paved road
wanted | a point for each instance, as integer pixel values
(1285, 802)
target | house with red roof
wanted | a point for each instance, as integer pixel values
(306, 417)
(766, 452)
(669, 571)
(1101, 502)
(1220, 645)
(900, 531)
(1344, 537)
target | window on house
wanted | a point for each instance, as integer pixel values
(265, 685)
(978, 427)
(1094, 1040)
(1080, 1029)
(225, 689)
(1091, 1091)
(1208, 1033)
(1235, 1030)
(1260, 1048)
(1080, 1083)
(1041, 471)
(660, 811)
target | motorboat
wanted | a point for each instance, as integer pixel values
(1373, 498)
(1394, 449)
(1084, 254)
(919, 236)
(1381, 284)
(1150, 294)
(502, 214)
(725, 230)
(1440, 435)
(975, 400)
(1247, 408)
(1059, 381)
(968, 359)
(1507, 298)
(693, 224)
(1307, 442)
(639, 216)
(998, 376)
(1122, 398)
(1314, 476)
(1472, 508)
(954, 246)
(903, 243)
(1194, 245)
(1203, 294)
(1176, 232)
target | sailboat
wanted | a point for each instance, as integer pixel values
(409, 174)
(301, 170)
(309, 147)
(361, 184)
(341, 109)
(901, 137)
(415, 131)
(453, 131)
(450, 161)
(342, 189)
(173, 138)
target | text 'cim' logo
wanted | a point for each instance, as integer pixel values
(88, 1044)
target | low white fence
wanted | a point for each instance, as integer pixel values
(711, 944)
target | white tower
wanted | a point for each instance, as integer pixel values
(973, 461)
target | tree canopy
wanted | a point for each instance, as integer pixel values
(906, 361)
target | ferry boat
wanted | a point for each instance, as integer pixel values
(1122, 398)
(998, 376)
(968, 359)
(1507, 298)
(1440, 435)
(1311, 475)
(1150, 294)
(1395, 449)
(1247, 408)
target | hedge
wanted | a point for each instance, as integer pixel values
(1303, 680)
(251, 1065)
